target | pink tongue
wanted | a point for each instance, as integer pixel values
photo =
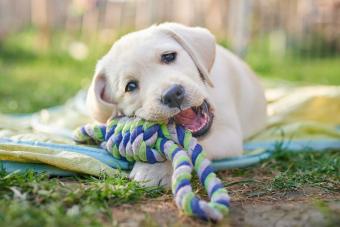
(189, 119)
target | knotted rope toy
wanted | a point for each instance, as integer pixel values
(137, 140)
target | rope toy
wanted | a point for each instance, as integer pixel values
(137, 140)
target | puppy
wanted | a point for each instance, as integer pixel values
(172, 71)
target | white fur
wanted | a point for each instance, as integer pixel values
(236, 95)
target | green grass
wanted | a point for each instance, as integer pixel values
(28, 199)
(297, 170)
(294, 171)
(32, 78)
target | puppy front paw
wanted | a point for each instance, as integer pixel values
(158, 174)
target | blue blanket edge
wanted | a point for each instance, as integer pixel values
(268, 149)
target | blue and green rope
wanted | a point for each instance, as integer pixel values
(134, 139)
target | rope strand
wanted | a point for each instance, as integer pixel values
(138, 140)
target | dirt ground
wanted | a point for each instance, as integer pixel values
(307, 207)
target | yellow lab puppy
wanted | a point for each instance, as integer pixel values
(172, 71)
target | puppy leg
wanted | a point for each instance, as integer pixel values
(223, 143)
(158, 174)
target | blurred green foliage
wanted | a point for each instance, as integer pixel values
(294, 66)
(32, 77)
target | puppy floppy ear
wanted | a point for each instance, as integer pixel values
(99, 101)
(198, 42)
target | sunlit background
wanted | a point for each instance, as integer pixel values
(48, 48)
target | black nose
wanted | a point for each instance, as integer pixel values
(173, 96)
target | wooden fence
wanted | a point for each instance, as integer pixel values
(307, 25)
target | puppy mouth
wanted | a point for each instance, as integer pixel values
(197, 120)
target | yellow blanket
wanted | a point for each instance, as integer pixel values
(307, 113)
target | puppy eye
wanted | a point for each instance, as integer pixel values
(131, 86)
(168, 57)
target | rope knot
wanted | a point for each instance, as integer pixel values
(137, 140)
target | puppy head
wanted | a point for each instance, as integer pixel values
(157, 74)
